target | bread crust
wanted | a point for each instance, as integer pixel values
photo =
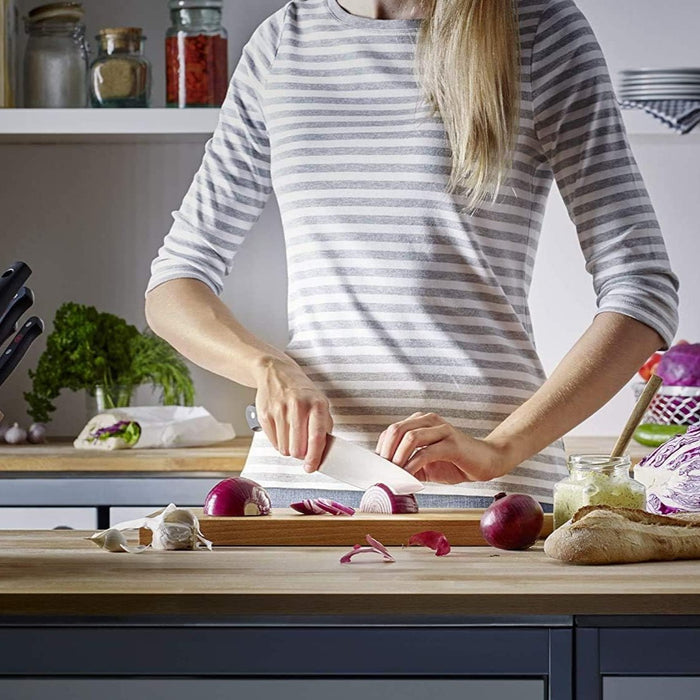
(610, 535)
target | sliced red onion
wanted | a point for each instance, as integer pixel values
(433, 540)
(375, 547)
(307, 507)
(381, 499)
(237, 496)
(333, 507)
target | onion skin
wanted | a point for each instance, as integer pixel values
(433, 540)
(381, 499)
(236, 497)
(512, 522)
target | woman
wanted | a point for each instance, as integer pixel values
(411, 147)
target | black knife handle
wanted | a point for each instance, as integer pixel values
(11, 281)
(251, 416)
(20, 303)
(27, 334)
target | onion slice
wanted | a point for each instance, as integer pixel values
(381, 499)
(333, 507)
(307, 507)
(433, 540)
(237, 496)
(374, 547)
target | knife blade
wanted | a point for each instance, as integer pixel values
(355, 465)
(26, 335)
(20, 303)
(11, 281)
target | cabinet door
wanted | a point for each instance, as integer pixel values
(289, 689)
(47, 518)
(676, 687)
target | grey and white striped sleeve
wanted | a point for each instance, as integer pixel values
(232, 185)
(580, 128)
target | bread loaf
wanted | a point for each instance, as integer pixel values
(608, 535)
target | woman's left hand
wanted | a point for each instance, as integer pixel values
(432, 449)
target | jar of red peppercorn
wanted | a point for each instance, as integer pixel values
(196, 54)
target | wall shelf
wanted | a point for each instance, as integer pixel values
(22, 126)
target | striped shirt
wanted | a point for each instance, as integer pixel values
(398, 300)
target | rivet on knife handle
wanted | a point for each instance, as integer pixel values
(251, 416)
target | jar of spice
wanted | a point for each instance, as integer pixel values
(196, 54)
(120, 76)
(596, 480)
(56, 57)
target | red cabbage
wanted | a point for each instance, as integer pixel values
(680, 365)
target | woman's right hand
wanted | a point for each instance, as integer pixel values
(294, 414)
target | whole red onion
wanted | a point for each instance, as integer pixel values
(512, 522)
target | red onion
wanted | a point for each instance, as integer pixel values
(307, 507)
(333, 507)
(432, 539)
(237, 496)
(381, 499)
(375, 547)
(512, 522)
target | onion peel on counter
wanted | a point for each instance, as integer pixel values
(373, 547)
(433, 540)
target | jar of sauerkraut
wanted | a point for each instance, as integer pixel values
(596, 480)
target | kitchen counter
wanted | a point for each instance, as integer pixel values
(78, 622)
(60, 573)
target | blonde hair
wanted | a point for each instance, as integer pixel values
(468, 66)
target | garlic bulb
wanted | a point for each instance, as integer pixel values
(15, 435)
(36, 433)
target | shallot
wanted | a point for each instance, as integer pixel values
(433, 540)
(237, 496)
(381, 499)
(512, 522)
(36, 433)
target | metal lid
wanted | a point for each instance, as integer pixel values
(121, 38)
(60, 11)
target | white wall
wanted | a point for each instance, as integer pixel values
(89, 217)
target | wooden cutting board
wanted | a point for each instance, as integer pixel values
(286, 527)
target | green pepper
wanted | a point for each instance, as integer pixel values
(655, 434)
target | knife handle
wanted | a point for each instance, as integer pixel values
(251, 416)
(10, 282)
(21, 302)
(14, 352)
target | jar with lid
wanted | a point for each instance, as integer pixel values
(596, 480)
(196, 54)
(120, 76)
(56, 57)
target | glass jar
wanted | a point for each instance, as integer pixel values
(596, 480)
(103, 398)
(120, 76)
(196, 54)
(56, 57)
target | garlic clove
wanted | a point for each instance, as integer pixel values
(112, 540)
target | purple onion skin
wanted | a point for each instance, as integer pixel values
(235, 497)
(512, 522)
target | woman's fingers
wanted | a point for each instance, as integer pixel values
(267, 423)
(417, 438)
(395, 432)
(320, 424)
(298, 426)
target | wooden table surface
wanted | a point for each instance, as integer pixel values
(60, 573)
(228, 457)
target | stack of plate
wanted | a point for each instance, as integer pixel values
(660, 84)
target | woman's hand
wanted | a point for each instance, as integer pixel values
(432, 449)
(294, 414)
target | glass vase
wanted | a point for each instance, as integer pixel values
(104, 398)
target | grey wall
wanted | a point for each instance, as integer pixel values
(89, 217)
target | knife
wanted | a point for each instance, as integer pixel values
(20, 303)
(11, 281)
(355, 465)
(27, 334)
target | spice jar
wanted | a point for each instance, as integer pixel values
(56, 57)
(196, 54)
(596, 480)
(120, 76)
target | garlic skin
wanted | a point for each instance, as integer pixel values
(36, 433)
(174, 536)
(15, 435)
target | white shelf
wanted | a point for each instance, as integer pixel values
(154, 125)
(105, 125)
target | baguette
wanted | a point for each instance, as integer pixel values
(608, 535)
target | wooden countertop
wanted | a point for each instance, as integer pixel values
(60, 573)
(228, 457)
